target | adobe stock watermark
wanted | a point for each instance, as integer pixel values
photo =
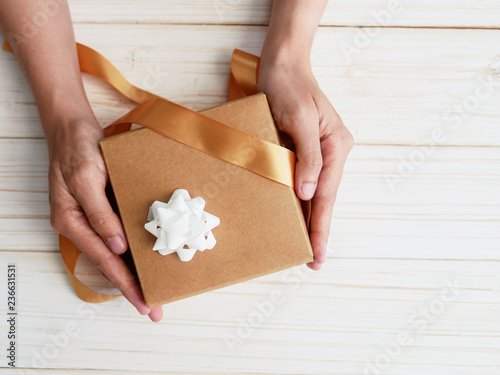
(419, 322)
(223, 6)
(453, 120)
(60, 339)
(264, 308)
(152, 76)
(228, 173)
(365, 35)
(32, 26)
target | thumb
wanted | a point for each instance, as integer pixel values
(305, 134)
(308, 167)
(101, 217)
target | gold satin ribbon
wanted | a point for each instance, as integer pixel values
(243, 78)
(188, 127)
(194, 129)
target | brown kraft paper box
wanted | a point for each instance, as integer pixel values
(262, 227)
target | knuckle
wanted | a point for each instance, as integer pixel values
(104, 262)
(86, 173)
(299, 116)
(60, 219)
(98, 221)
(328, 195)
(56, 224)
(332, 197)
(342, 141)
(313, 160)
(315, 232)
(348, 140)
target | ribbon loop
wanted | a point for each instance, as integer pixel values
(193, 128)
(243, 78)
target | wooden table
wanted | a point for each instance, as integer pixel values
(412, 280)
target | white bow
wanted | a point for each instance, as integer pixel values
(181, 225)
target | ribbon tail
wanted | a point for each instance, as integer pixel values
(92, 62)
(6, 47)
(70, 253)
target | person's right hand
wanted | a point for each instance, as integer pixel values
(80, 210)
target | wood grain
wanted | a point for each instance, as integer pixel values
(423, 13)
(449, 201)
(333, 319)
(386, 95)
(416, 220)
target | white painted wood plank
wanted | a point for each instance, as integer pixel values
(396, 90)
(393, 248)
(105, 372)
(426, 13)
(333, 321)
(441, 210)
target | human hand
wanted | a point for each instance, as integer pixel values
(80, 210)
(322, 142)
(77, 175)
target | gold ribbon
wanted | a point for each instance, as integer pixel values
(243, 78)
(188, 127)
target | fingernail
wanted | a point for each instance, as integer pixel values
(116, 244)
(143, 310)
(307, 189)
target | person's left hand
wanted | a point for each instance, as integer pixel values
(322, 143)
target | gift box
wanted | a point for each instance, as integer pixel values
(262, 228)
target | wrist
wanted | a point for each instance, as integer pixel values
(286, 49)
(285, 57)
(73, 137)
(290, 36)
(61, 110)
(71, 131)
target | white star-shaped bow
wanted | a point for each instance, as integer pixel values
(181, 225)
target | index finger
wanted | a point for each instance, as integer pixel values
(334, 158)
(110, 264)
(68, 218)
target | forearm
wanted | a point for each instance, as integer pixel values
(292, 27)
(41, 35)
